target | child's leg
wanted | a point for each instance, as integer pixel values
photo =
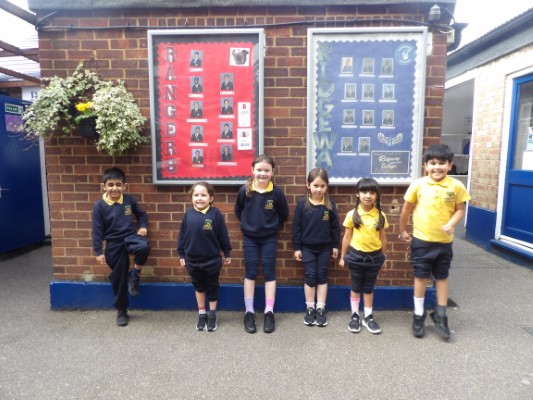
(441, 285)
(322, 265)
(251, 262)
(118, 260)
(309, 262)
(200, 300)
(309, 293)
(268, 256)
(139, 247)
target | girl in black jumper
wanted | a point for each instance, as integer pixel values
(316, 237)
(203, 237)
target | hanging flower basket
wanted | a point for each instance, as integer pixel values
(87, 127)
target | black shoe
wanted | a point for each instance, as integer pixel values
(371, 325)
(133, 285)
(418, 325)
(321, 319)
(354, 325)
(269, 325)
(309, 318)
(249, 322)
(441, 325)
(122, 317)
(202, 321)
(212, 323)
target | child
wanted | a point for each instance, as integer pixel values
(316, 236)
(438, 204)
(113, 222)
(363, 250)
(203, 236)
(261, 209)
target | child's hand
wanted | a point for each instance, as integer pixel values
(227, 260)
(335, 253)
(100, 259)
(298, 255)
(405, 236)
(182, 262)
(142, 231)
(448, 229)
(341, 262)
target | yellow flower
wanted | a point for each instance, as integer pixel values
(84, 107)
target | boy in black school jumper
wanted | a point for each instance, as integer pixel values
(113, 222)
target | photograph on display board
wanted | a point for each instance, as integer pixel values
(385, 140)
(206, 94)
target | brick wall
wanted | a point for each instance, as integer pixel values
(74, 167)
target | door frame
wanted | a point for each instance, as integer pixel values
(508, 123)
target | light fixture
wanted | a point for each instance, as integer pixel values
(434, 13)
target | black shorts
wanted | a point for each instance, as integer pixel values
(431, 258)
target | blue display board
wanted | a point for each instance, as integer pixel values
(366, 103)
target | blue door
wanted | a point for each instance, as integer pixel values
(21, 198)
(517, 221)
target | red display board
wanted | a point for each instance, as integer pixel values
(206, 104)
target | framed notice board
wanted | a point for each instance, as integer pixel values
(366, 103)
(206, 101)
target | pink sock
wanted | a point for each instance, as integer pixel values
(355, 304)
(269, 305)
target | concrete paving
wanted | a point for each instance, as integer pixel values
(59, 355)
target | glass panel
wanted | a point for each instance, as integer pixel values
(523, 156)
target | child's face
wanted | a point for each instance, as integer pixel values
(438, 169)
(201, 198)
(262, 173)
(367, 199)
(317, 188)
(114, 188)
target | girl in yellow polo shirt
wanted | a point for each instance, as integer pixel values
(363, 251)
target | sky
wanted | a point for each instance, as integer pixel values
(481, 15)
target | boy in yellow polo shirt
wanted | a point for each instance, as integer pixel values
(438, 205)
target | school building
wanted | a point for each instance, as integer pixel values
(488, 120)
(115, 38)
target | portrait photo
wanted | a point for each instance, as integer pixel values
(346, 65)
(196, 59)
(226, 131)
(226, 107)
(388, 91)
(197, 156)
(349, 91)
(387, 118)
(368, 66)
(368, 117)
(364, 145)
(386, 66)
(197, 134)
(346, 145)
(368, 91)
(226, 153)
(348, 117)
(226, 82)
(196, 85)
(196, 109)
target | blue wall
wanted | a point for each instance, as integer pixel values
(168, 296)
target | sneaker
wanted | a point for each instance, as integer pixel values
(202, 321)
(354, 325)
(371, 325)
(309, 318)
(269, 324)
(441, 325)
(122, 317)
(418, 325)
(133, 285)
(249, 322)
(321, 319)
(211, 323)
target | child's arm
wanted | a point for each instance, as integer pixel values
(407, 209)
(383, 238)
(345, 244)
(456, 217)
(142, 231)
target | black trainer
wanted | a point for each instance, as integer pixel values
(418, 325)
(212, 323)
(133, 285)
(122, 317)
(269, 325)
(202, 322)
(371, 325)
(321, 319)
(441, 325)
(354, 325)
(309, 318)
(249, 322)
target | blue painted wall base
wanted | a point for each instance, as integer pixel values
(65, 295)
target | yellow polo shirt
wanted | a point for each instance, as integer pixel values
(366, 238)
(434, 205)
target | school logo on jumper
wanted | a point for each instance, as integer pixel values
(325, 217)
(127, 210)
(269, 205)
(449, 196)
(208, 225)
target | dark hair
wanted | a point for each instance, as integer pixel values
(368, 185)
(322, 174)
(439, 152)
(257, 160)
(114, 173)
(210, 189)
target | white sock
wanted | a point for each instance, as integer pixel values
(419, 305)
(368, 311)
